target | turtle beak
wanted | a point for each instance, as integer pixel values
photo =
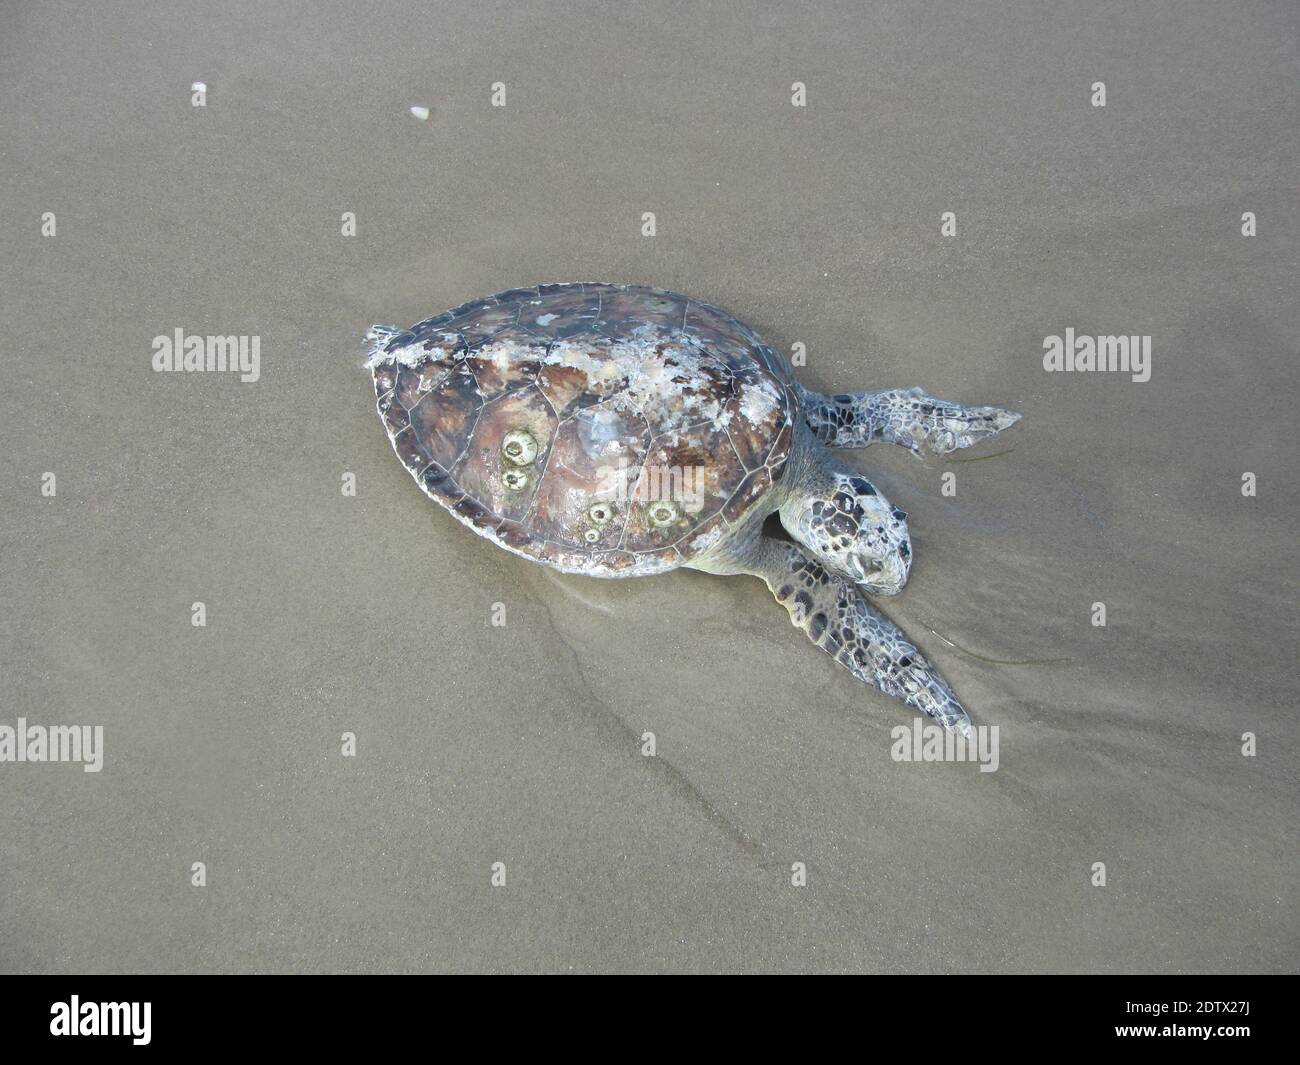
(884, 577)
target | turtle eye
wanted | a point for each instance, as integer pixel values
(600, 513)
(515, 480)
(663, 512)
(519, 447)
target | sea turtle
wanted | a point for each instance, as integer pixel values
(619, 431)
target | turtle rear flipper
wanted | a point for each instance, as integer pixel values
(908, 417)
(377, 341)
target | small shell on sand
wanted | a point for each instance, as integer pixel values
(422, 113)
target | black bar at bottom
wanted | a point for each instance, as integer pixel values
(341, 1013)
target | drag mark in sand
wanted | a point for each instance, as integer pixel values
(998, 661)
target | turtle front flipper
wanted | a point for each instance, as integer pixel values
(904, 416)
(839, 620)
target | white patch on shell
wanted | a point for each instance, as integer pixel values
(598, 433)
(645, 384)
(759, 400)
(600, 372)
(654, 379)
(546, 319)
(707, 540)
(411, 356)
(498, 354)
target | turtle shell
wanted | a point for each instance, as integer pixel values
(612, 430)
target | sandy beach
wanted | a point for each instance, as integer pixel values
(1161, 745)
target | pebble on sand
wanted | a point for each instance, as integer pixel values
(422, 113)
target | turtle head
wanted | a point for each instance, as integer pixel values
(854, 530)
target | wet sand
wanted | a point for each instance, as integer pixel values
(521, 744)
